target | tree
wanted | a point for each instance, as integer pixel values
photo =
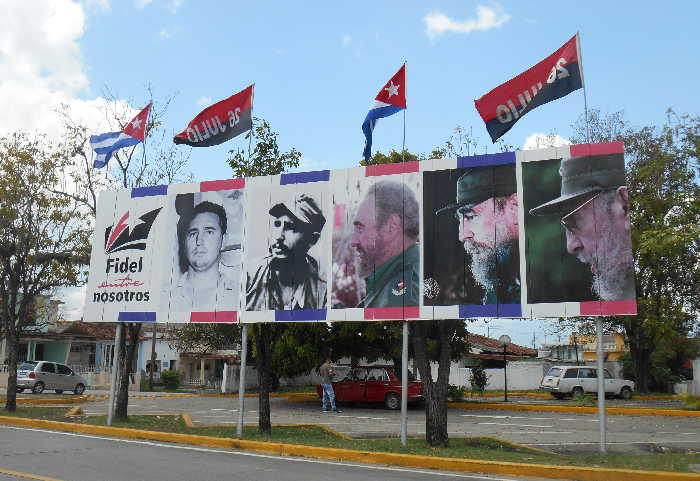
(156, 161)
(37, 227)
(664, 190)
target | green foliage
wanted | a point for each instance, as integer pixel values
(171, 380)
(478, 379)
(265, 157)
(690, 402)
(204, 338)
(394, 157)
(583, 400)
(456, 393)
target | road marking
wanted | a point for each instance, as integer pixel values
(217, 409)
(503, 417)
(535, 432)
(521, 425)
(256, 455)
(27, 475)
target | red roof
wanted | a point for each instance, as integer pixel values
(493, 345)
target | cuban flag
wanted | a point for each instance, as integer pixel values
(390, 99)
(105, 144)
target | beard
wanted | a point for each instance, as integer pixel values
(491, 267)
(612, 267)
(367, 257)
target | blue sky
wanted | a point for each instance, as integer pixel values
(318, 65)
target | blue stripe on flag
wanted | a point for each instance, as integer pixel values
(149, 191)
(105, 144)
(304, 177)
(371, 120)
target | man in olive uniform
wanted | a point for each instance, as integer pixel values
(486, 208)
(385, 234)
(289, 277)
(594, 210)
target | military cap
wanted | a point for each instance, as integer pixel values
(303, 209)
(583, 175)
(478, 184)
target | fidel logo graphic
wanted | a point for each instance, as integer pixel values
(130, 232)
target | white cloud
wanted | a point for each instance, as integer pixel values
(539, 140)
(174, 5)
(308, 165)
(347, 40)
(204, 101)
(73, 302)
(168, 32)
(141, 4)
(438, 23)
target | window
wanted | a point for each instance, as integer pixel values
(64, 370)
(554, 372)
(359, 374)
(571, 373)
(48, 367)
(607, 374)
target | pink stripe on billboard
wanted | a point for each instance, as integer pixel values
(218, 316)
(608, 308)
(390, 169)
(339, 216)
(597, 149)
(408, 312)
(228, 184)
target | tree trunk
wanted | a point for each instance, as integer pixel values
(264, 367)
(11, 397)
(127, 353)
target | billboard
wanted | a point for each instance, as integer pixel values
(542, 233)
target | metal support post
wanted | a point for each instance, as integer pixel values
(404, 385)
(241, 379)
(114, 376)
(601, 386)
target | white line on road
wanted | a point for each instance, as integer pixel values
(521, 425)
(503, 417)
(266, 456)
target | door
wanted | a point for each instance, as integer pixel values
(47, 375)
(588, 377)
(64, 378)
(377, 384)
(352, 388)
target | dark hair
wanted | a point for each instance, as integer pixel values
(396, 198)
(184, 224)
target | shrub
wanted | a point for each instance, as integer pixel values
(478, 379)
(690, 402)
(455, 393)
(171, 380)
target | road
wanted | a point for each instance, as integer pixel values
(77, 457)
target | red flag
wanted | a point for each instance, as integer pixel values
(554, 77)
(137, 127)
(220, 122)
(394, 92)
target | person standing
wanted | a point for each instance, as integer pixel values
(328, 397)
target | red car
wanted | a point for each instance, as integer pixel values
(372, 384)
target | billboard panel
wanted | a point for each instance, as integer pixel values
(541, 233)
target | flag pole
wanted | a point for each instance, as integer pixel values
(405, 92)
(583, 83)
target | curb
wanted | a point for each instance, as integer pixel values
(366, 457)
(577, 409)
(65, 400)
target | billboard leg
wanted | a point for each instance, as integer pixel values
(114, 375)
(601, 386)
(241, 380)
(404, 385)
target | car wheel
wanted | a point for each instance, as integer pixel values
(38, 388)
(79, 389)
(392, 401)
(577, 391)
(20, 389)
(557, 395)
(626, 393)
(59, 391)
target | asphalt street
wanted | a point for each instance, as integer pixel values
(78, 457)
(559, 432)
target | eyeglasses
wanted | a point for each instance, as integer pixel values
(569, 220)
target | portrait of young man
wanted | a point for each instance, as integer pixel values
(592, 210)
(204, 283)
(481, 219)
(385, 231)
(288, 277)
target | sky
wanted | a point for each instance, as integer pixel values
(317, 67)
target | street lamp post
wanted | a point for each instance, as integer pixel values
(505, 340)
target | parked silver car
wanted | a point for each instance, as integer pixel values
(40, 375)
(576, 380)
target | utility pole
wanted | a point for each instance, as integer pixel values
(153, 358)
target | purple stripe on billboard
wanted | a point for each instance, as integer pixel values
(137, 317)
(486, 159)
(305, 177)
(301, 315)
(149, 191)
(510, 310)
(476, 310)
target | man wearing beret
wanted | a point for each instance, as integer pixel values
(487, 211)
(385, 232)
(594, 210)
(288, 278)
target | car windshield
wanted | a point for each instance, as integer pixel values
(27, 366)
(554, 372)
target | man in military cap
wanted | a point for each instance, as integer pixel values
(288, 278)
(594, 210)
(487, 211)
(203, 284)
(385, 232)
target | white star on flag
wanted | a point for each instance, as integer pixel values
(136, 123)
(393, 89)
